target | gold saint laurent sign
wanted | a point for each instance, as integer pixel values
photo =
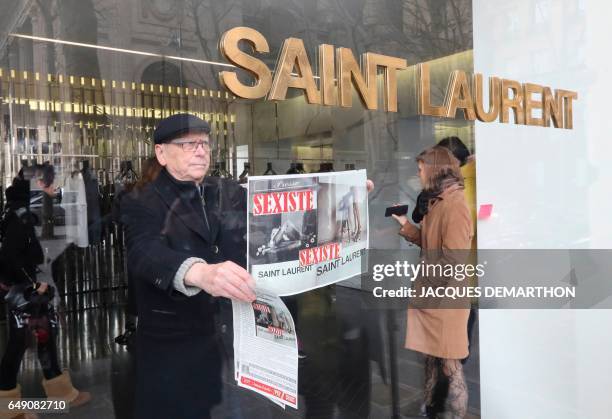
(339, 72)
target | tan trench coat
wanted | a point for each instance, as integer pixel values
(448, 225)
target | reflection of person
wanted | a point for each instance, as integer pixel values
(30, 302)
(150, 171)
(441, 334)
(185, 241)
(467, 164)
(468, 171)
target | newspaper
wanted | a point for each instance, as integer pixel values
(237, 330)
(304, 232)
(265, 352)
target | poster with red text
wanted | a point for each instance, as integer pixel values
(306, 231)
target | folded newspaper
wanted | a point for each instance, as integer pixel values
(304, 232)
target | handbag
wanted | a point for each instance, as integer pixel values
(24, 297)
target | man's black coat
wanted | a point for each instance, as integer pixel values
(177, 359)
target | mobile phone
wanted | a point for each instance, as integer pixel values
(397, 210)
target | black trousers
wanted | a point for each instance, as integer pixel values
(16, 346)
(176, 377)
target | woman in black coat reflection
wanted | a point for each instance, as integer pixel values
(29, 301)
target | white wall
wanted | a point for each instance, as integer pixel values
(550, 188)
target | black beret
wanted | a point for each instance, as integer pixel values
(176, 125)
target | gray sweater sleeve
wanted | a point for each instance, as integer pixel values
(179, 278)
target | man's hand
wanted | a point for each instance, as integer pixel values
(224, 279)
(369, 185)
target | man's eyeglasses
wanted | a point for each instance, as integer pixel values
(191, 146)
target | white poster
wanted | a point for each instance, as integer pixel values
(304, 232)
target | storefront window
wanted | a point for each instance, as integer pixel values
(83, 84)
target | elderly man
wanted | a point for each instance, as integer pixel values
(186, 245)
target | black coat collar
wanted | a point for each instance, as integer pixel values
(183, 199)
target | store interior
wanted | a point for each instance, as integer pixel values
(90, 111)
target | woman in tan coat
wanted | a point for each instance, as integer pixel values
(441, 334)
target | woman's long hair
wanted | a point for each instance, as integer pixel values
(441, 170)
(150, 171)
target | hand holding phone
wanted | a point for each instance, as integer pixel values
(396, 210)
